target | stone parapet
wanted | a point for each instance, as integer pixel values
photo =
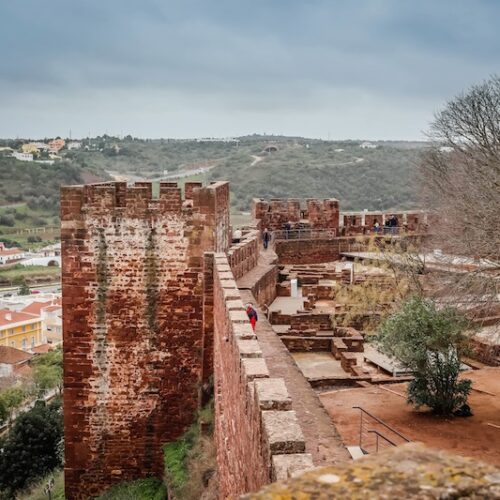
(411, 471)
(257, 433)
(243, 256)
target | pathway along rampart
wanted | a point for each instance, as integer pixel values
(258, 435)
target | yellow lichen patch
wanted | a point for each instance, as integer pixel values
(410, 472)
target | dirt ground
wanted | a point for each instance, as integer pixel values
(469, 436)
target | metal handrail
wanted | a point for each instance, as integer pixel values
(299, 234)
(378, 434)
(382, 423)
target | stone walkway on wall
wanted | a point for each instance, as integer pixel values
(322, 439)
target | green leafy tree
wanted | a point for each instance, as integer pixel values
(47, 377)
(24, 289)
(12, 398)
(4, 412)
(428, 341)
(31, 449)
(48, 370)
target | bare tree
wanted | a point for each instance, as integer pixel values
(461, 181)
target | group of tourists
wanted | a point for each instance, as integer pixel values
(390, 226)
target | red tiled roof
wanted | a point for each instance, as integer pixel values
(23, 371)
(37, 306)
(10, 251)
(52, 308)
(41, 349)
(15, 317)
(12, 356)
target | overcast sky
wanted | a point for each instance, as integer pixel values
(373, 69)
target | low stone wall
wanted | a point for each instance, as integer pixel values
(243, 256)
(313, 251)
(319, 322)
(264, 289)
(257, 433)
(307, 344)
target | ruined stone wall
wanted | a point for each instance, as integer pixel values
(243, 256)
(132, 286)
(324, 214)
(257, 435)
(274, 213)
(307, 321)
(362, 222)
(311, 251)
(316, 214)
(264, 289)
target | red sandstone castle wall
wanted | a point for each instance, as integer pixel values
(257, 434)
(273, 214)
(312, 251)
(133, 281)
(243, 256)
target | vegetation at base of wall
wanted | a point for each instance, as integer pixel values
(37, 492)
(429, 341)
(190, 461)
(142, 489)
(31, 449)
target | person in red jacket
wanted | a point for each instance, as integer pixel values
(252, 315)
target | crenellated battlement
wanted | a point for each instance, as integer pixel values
(312, 213)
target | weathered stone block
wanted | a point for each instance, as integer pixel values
(243, 331)
(248, 348)
(238, 316)
(410, 471)
(254, 368)
(291, 465)
(282, 432)
(272, 394)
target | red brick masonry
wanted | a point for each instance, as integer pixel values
(258, 436)
(133, 288)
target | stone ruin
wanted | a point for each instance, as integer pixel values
(154, 296)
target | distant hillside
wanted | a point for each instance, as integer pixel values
(37, 184)
(379, 178)
(375, 178)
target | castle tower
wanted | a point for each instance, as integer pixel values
(135, 345)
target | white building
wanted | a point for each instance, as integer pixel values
(368, 145)
(22, 156)
(74, 145)
(54, 260)
(8, 255)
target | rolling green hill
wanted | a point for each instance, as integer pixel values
(374, 178)
(378, 178)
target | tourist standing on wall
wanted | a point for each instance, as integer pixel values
(237, 235)
(252, 315)
(266, 238)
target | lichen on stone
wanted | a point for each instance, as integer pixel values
(411, 471)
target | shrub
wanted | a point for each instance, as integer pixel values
(7, 220)
(428, 341)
